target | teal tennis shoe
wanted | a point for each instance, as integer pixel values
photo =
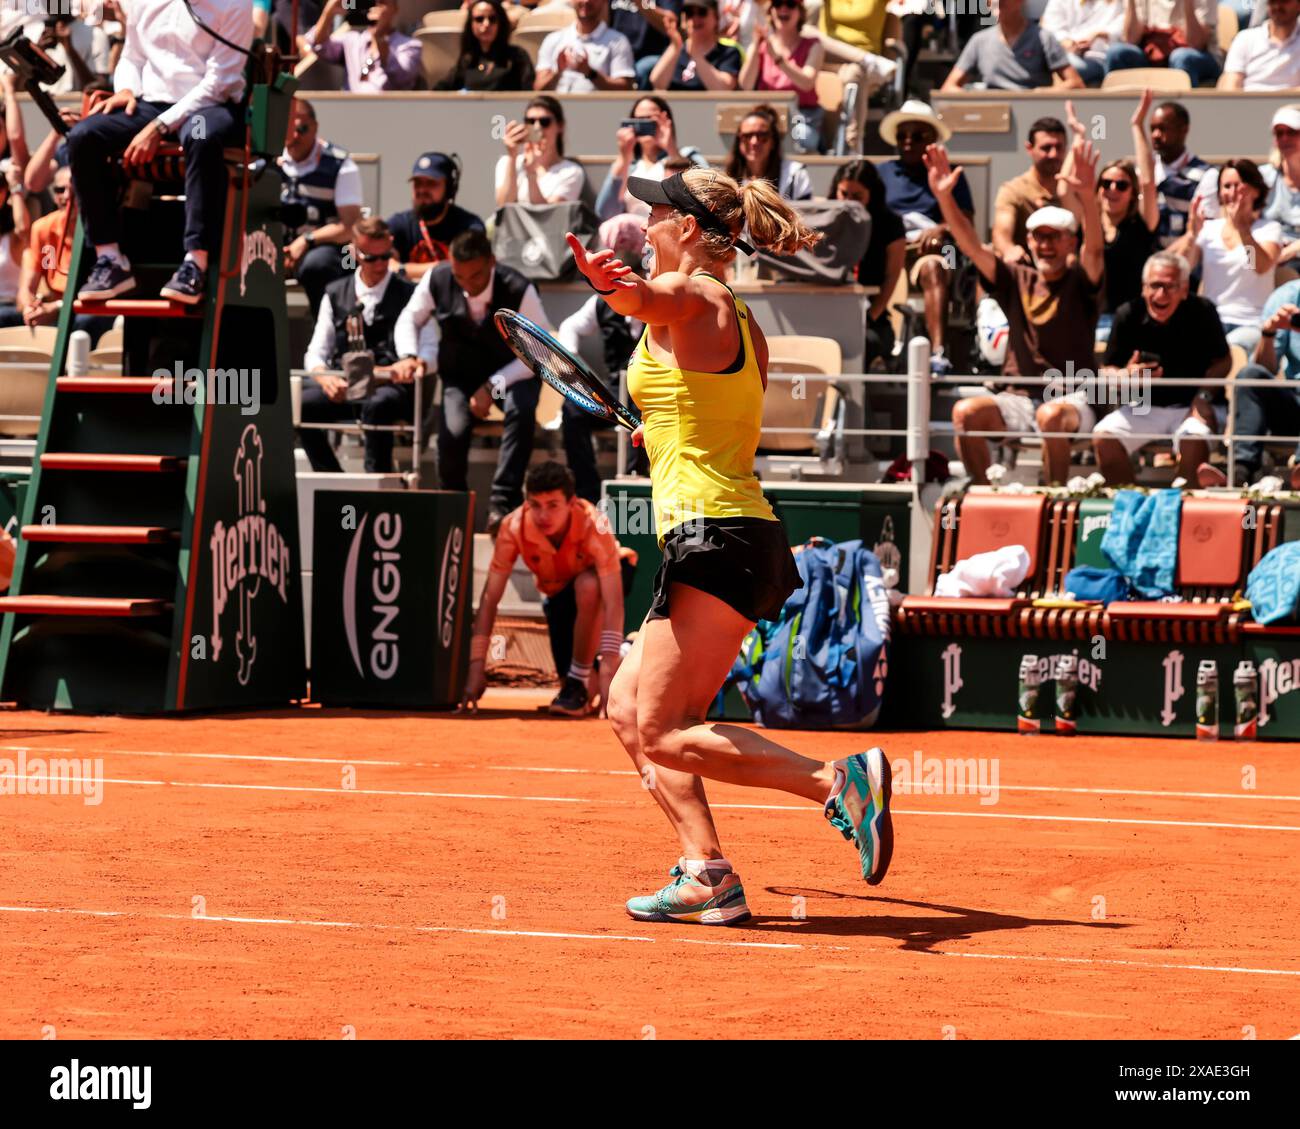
(861, 811)
(683, 900)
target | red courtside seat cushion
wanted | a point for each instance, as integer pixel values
(1211, 543)
(992, 521)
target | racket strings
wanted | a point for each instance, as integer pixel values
(556, 370)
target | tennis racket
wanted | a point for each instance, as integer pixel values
(570, 376)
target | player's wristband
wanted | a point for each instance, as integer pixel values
(611, 642)
(593, 286)
(478, 648)
(1268, 333)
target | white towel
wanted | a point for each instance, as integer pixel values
(998, 573)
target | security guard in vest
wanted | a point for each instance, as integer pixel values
(475, 363)
(377, 296)
(320, 200)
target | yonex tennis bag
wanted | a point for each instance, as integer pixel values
(822, 663)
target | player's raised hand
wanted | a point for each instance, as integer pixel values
(603, 269)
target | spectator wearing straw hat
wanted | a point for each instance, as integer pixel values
(911, 129)
(1051, 304)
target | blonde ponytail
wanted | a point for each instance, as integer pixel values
(773, 224)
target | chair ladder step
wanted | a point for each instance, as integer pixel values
(153, 464)
(139, 308)
(96, 384)
(116, 607)
(100, 534)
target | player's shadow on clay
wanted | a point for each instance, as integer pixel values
(918, 934)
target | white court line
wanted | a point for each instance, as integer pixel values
(625, 803)
(898, 789)
(616, 937)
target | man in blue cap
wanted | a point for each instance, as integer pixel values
(422, 235)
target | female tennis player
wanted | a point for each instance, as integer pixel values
(698, 375)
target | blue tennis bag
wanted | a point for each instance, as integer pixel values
(822, 663)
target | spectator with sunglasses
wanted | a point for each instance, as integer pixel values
(784, 57)
(377, 295)
(488, 60)
(697, 60)
(375, 56)
(587, 55)
(756, 152)
(1129, 218)
(45, 266)
(535, 169)
(320, 200)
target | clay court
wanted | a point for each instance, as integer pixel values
(435, 876)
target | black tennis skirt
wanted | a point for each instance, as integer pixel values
(745, 562)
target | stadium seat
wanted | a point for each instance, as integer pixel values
(39, 337)
(439, 47)
(453, 18)
(546, 17)
(412, 14)
(979, 523)
(22, 393)
(1163, 80)
(817, 410)
(1228, 26)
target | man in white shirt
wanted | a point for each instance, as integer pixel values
(359, 313)
(320, 195)
(475, 363)
(587, 55)
(1266, 57)
(174, 80)
(1086, 29)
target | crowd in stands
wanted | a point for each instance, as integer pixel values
(1150, 265)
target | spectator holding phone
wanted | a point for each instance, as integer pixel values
(647, 141)
(587, 55)
(488, 60)
(375, 56)
(785, 57)
(535, 169)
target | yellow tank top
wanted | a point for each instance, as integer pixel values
(701, 432)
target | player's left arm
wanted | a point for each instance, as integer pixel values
(760, 348)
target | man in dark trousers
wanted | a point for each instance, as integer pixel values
(475, 363)
(174, 81)
(376, 295)
(321, 199)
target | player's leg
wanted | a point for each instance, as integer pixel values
(679, 794)
(685, 659)
(705, 889)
